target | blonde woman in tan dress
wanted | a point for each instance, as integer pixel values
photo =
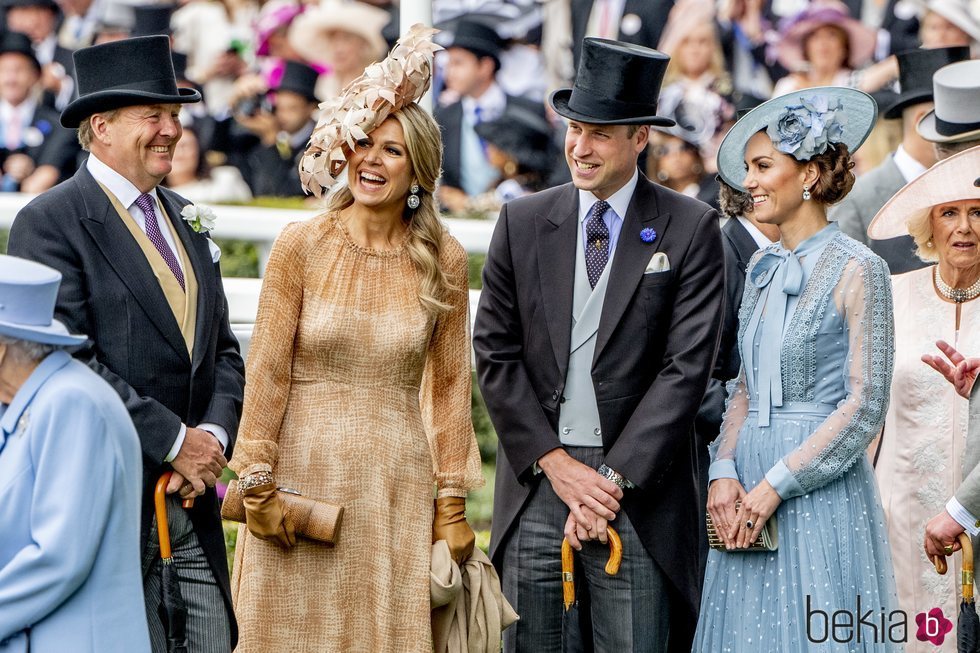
(359, 393)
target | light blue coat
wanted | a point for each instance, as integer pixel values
(70, 491)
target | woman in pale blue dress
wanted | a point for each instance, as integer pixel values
(816, 339)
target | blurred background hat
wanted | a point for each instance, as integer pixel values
(524, 135)
(794, 31)
(122, 74)
(859, 108)
(958, 12)
(949, 180)
(915, 71)
(149, 20)
(309, 32)
(47, 4)
(478, 37)
(956, 92)
(274, 15)
(20, 44)
(28, 293)
(616, 84)
(299, 78)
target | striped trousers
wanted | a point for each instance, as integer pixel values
(208, 629)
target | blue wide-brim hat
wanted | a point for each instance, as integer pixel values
(28, 293)
(859, 112)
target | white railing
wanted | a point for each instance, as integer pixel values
(261, 226)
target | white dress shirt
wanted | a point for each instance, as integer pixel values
(760, 238)
(909, 167)
(618, 202)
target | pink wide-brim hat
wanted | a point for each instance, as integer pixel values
(951, 180)
(275, 15)
(861, 39)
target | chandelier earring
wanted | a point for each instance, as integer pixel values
(413, 197)
(806, 193)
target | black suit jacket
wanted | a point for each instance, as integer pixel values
(450, 120)
(58, 146)
(109, 292)
(652, 15)
(739, 248)
(655, 348)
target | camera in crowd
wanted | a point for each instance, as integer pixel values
(253, 104)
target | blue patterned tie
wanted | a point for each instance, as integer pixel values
(145, 202)
(597, 242)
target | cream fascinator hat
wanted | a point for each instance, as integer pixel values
(951, 180)
(384, 88)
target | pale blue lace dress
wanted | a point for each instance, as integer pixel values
(816, 337)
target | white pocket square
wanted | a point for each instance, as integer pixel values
(215, 251)
(658, 263)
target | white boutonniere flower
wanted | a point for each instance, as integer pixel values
(200, 218)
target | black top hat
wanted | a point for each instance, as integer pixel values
(479, 38)
(915, 71)
(179, 60)
(617, 84)
(19, 43)
(524, 135)
(300, 79)
(149, 20)
(123, 74)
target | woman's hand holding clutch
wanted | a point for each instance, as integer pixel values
(722, 495)
(449, 523)
(265, 514)
(757, 506)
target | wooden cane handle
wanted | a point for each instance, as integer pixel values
(967, 574)
(615, 551)
(940, 563)
(160, 507)
(567, 574)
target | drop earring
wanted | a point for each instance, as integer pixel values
(413, 198)
(806, 193)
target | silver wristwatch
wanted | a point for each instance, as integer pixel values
(615, 477)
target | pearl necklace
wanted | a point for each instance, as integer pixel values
(958, 295)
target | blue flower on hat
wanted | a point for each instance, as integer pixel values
(648, 235)
(808, 129)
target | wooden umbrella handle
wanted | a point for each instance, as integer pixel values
(568, 564)
(966, 545)
(160, 507)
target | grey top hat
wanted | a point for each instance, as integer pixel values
(28, 293)
(805, 121)
(956, 92)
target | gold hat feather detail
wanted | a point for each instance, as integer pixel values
(382, 89)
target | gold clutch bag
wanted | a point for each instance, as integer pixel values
(768, 539)
(313, 519)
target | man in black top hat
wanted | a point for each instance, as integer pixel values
(279, 125)
(595, 336)
(36, 152)
(37, 19)
(474, 59)
(912, 157)
(143, 283)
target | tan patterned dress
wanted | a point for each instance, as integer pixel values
(356, 395)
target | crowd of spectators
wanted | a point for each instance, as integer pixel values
(264, 67)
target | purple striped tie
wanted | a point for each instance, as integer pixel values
(145, 202)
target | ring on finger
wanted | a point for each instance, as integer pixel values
(948, 549)
(749, 524)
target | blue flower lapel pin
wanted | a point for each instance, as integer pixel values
(648, 235)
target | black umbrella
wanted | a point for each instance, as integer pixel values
(173, 610)
(967, 623)
(571, 621)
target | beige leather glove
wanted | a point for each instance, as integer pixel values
(266, 516)
(449, 523)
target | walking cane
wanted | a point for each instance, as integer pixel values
(173, 610)
(568, 565)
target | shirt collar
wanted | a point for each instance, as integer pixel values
(619, 201)
(492, 103)
(909, 167)
(122, 188)
(760, 238)
(25, 111)
(47, 367)
(46, 48)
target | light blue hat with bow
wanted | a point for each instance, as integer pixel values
(28, 293)
(802, 124)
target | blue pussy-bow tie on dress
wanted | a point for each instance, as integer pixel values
(778, 275)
